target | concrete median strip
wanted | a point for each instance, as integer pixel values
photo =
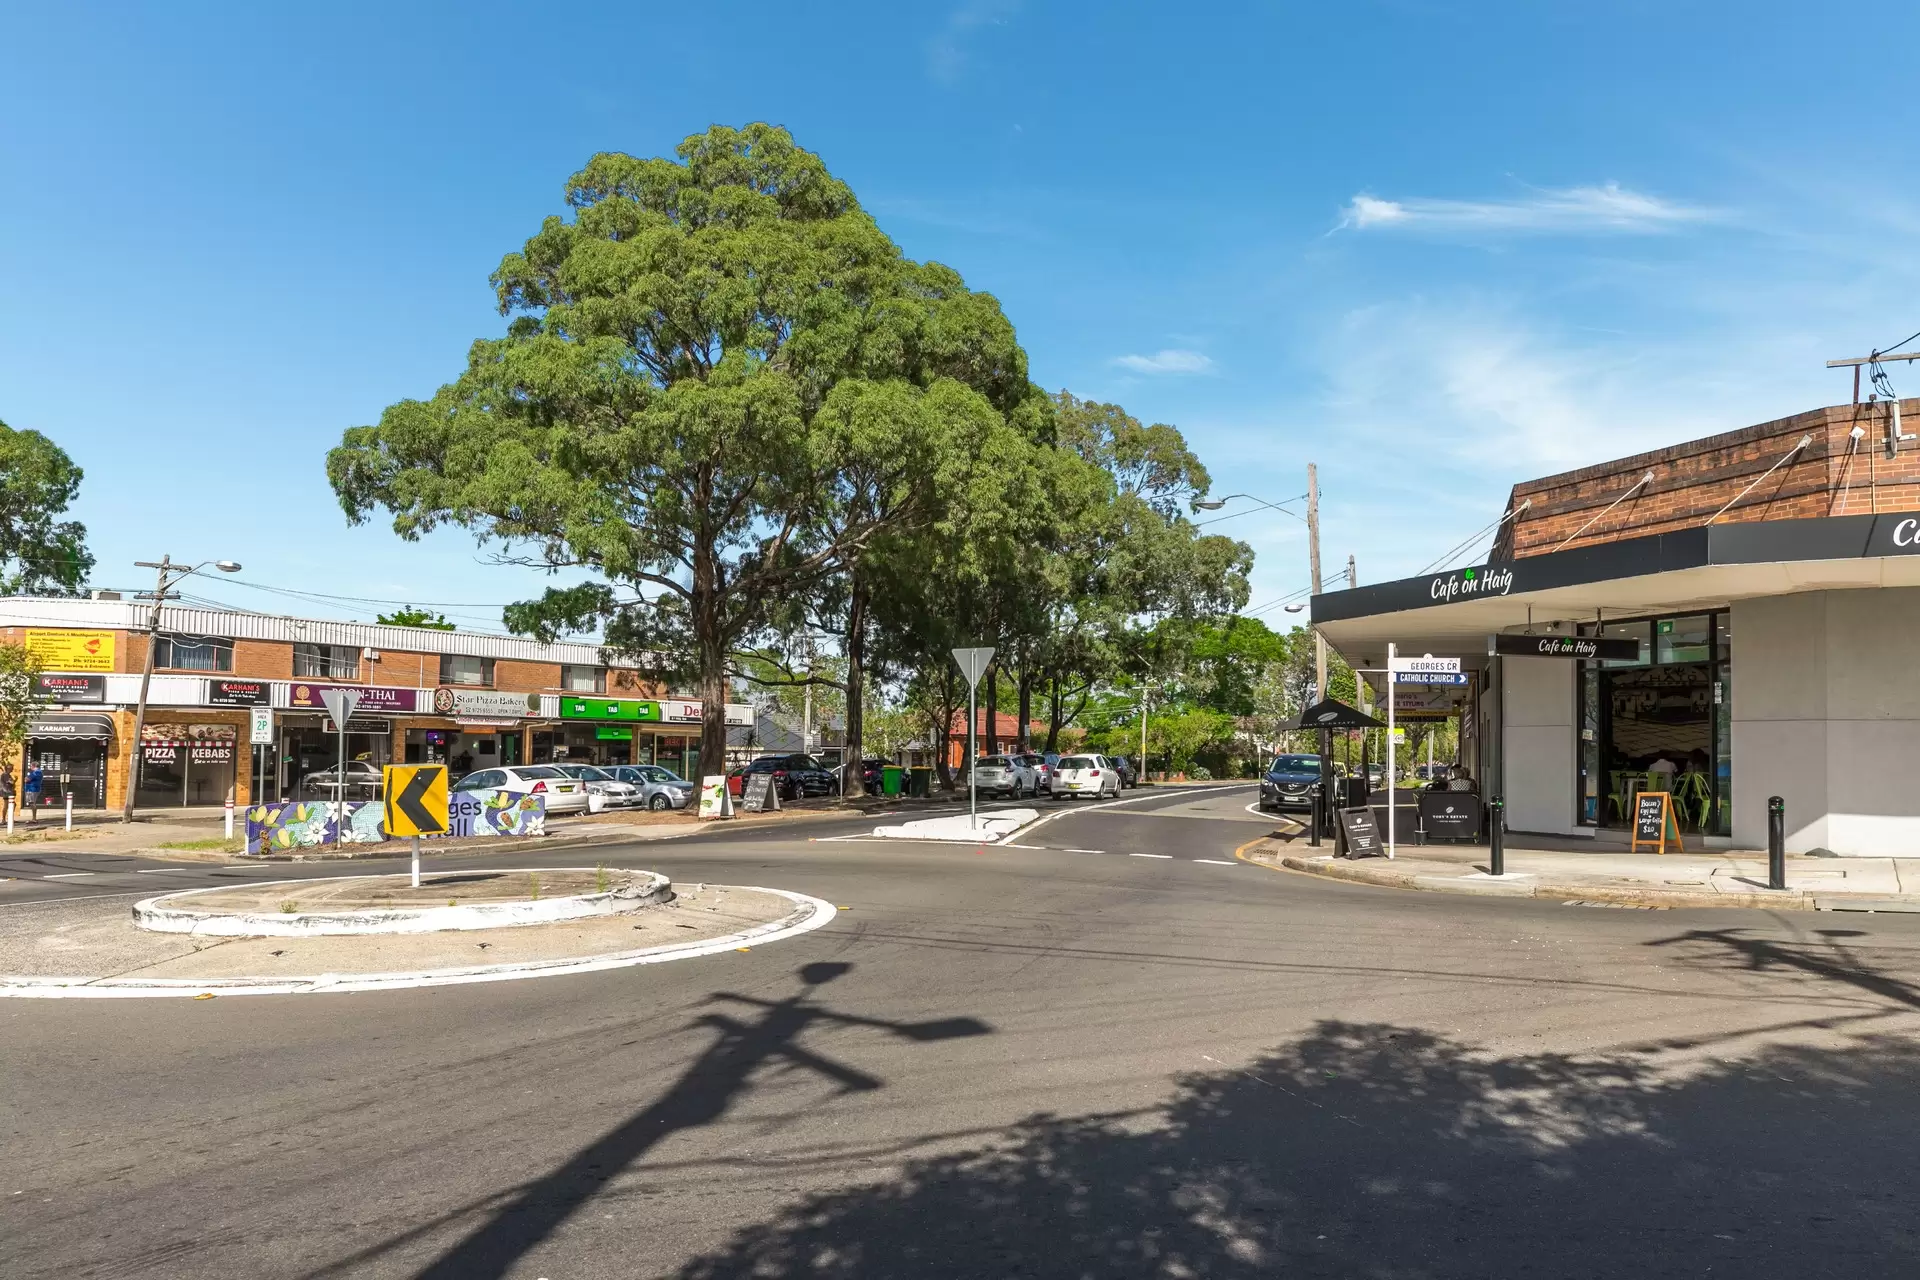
(988, 828)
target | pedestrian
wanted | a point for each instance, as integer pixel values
(36, 781)
(6, 787)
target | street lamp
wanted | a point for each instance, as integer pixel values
(166, 575)
(1214, 504)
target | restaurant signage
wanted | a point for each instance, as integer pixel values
(61, 687)
(372, 697)
(71, 650)
(609, 709)
(1589, 647)
(237, 693)
(464, 703)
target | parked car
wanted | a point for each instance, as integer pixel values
(613, 793)
(562, 794)
(1042, 767)
(795, 776)
(1006, 776)
(1085, 775)
(1129, 776)
(872, 775)
(1288, 782)
(363, 782)
(660, 788)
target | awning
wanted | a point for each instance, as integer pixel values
(73, 726)
(1329, 714)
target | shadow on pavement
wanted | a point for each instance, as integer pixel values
(1380, 1151)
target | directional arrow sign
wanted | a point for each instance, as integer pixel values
(416, 796)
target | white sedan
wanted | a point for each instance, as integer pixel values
(561, 793)
(614, 793)
(1084, 776)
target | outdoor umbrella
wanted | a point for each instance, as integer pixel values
(1328, 714)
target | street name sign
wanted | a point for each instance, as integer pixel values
(416, 799)
(1429, 677)
(1425, 663)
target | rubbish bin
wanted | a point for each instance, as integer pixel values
(920, 782)
(890, 776)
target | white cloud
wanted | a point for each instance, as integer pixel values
(1169, 360)
(1608, 208)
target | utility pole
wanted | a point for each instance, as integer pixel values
(166, 574)
(1353, 574)
(1313, 559)
(1855, 362)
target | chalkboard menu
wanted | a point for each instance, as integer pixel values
(1362, 833)
(761, 794)
(1653, 821)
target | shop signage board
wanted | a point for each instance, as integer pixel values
(1430, 677)
(61, 687)
(1592, 648)
(716, 801)
(613, 732)
(760, 795)
(260, 727)
(1654, 821)
(485, 703)
(387, 698)
(609, 709)
(416, 799)
(680, 711)
(340, 704)
(237, 693)
(1362, 833)
(65, 650)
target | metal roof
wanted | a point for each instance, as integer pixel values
(131, 615)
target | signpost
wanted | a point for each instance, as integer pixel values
(416, 804)
(973, 665)
(341, 704)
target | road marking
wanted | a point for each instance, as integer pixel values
(79, 897)
(71, 875)
(148, 871)
(1147, 855)
(1064, 849)
(1216, 862)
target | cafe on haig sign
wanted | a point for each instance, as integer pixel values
(71, 650)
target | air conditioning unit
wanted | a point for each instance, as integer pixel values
(106, 595)
(371, 655)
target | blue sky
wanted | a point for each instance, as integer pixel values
(1435, 248)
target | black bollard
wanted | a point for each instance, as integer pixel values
(1313, 824)
(1497, 836)
(1776, 843)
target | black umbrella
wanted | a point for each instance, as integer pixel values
(1328, 714)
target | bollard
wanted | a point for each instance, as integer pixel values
(1313, 823)
(1776, 843)
(69, 810)
(1497, 836)
(229, 818)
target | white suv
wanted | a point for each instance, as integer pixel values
(1084, 775)
(1005, 775)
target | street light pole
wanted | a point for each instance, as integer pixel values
(166, 575)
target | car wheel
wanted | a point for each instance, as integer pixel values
(659, 801)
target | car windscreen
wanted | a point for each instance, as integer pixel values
(1295, 764)
(1077, 762)
(590, 773)
(537, 771)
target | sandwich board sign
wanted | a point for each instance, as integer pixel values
(760, 795)
(1654, 821)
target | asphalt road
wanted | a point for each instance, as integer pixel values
(1109, 1051)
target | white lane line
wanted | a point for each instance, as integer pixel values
(151, 871)
(1217, 862)
(71, 875)
(1064, 849)
(1149, 855)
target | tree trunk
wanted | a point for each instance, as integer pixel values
(991, 732)
(711, 640)
(1053, 714)
(852, 777)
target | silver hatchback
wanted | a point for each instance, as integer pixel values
(659, 788)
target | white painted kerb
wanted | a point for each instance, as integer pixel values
(989, 828)
(174, 913)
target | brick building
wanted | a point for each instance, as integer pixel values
(1722, 620)
(234, 704)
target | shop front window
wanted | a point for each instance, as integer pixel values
(186, 764)
(460, 669)
(1683, 639)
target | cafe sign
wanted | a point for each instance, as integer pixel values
(1592, 648)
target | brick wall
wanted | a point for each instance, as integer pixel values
(1832, 476)
(526, 677)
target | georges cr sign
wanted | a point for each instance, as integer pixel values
(1589, 647)
(1471, 584)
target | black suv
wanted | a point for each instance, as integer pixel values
(1288, 782)
(795, 776)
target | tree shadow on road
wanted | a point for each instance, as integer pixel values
(1382, 1151)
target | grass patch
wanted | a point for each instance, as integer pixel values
(222, 843)
(289, 906)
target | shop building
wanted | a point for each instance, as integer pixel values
(1726, 620)
(236, 706)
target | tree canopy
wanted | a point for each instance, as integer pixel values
(721, 384)
(40, 554)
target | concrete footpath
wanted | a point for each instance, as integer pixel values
(1691, 879)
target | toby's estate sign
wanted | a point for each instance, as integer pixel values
(1592, 648)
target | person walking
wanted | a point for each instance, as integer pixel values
(36, 781)
(6, 791)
